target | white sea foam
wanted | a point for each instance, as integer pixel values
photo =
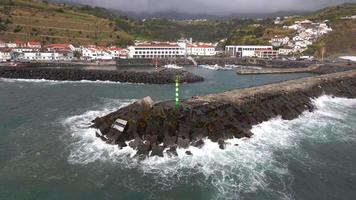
(352, 58)
(235, 171)
(217, 67)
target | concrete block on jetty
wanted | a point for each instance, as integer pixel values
(231, 114)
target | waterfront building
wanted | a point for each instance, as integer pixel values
(96, 53)
(245, 51)
(47, 56)
(202, 49)
(157, 50)
(266, 54)
(5, 54)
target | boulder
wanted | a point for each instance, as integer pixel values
(199, 143)
(157, 150)
(136, 142)
(221, 143)
(143, 149)
(172, 151)
(183, 143)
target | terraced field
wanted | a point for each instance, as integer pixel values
(27, 20)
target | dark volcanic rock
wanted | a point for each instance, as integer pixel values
(172, 151)
(199, 143)
(164, 76)
(221, 143)
(157, 150)
(143, 149)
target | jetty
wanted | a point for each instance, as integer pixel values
(152, 128)
(162, 76)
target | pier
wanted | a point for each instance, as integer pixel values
(153, 127)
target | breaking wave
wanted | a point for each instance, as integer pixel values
(243, 168)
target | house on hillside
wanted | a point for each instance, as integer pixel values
(2, 44)
(277, 41)
(60, 47)
(286, 51)
(34, 44)
(10, 44)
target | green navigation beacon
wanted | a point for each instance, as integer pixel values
(177, 92)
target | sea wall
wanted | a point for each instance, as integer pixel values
(219, 61)
(153, 127)
(164, 76)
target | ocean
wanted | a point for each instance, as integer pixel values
(48, 151)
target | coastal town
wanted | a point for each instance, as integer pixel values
(306, 33)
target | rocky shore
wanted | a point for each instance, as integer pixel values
(152, 128)
(163, 76)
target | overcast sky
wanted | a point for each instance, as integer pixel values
(214, 7)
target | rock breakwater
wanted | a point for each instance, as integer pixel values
(154, 128)
(164, 76)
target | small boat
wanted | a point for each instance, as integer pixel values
(172, 66)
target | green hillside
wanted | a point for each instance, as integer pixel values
(341, 41)
(49, 23)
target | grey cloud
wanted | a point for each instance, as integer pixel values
(213, 6)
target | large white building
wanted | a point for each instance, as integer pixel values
(201, 50)
(245, 51)
(157, 50)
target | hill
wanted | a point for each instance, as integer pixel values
(50, 23)
(341, 41)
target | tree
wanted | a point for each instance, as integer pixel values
(77, 54)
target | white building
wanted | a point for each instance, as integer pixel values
(201, 50)
(270, 53)
(285, 51)
(10, 44)
(157, 50)
(118, 52)
(5, 55)
(279, 41)
(96, 53)
(46, 56)
(245, 51)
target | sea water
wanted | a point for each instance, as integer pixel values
(48, 151)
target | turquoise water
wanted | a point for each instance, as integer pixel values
(47, 150)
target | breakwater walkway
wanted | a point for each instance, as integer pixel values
(153, 127)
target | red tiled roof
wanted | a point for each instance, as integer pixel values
(34, 43)
(58, 45)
